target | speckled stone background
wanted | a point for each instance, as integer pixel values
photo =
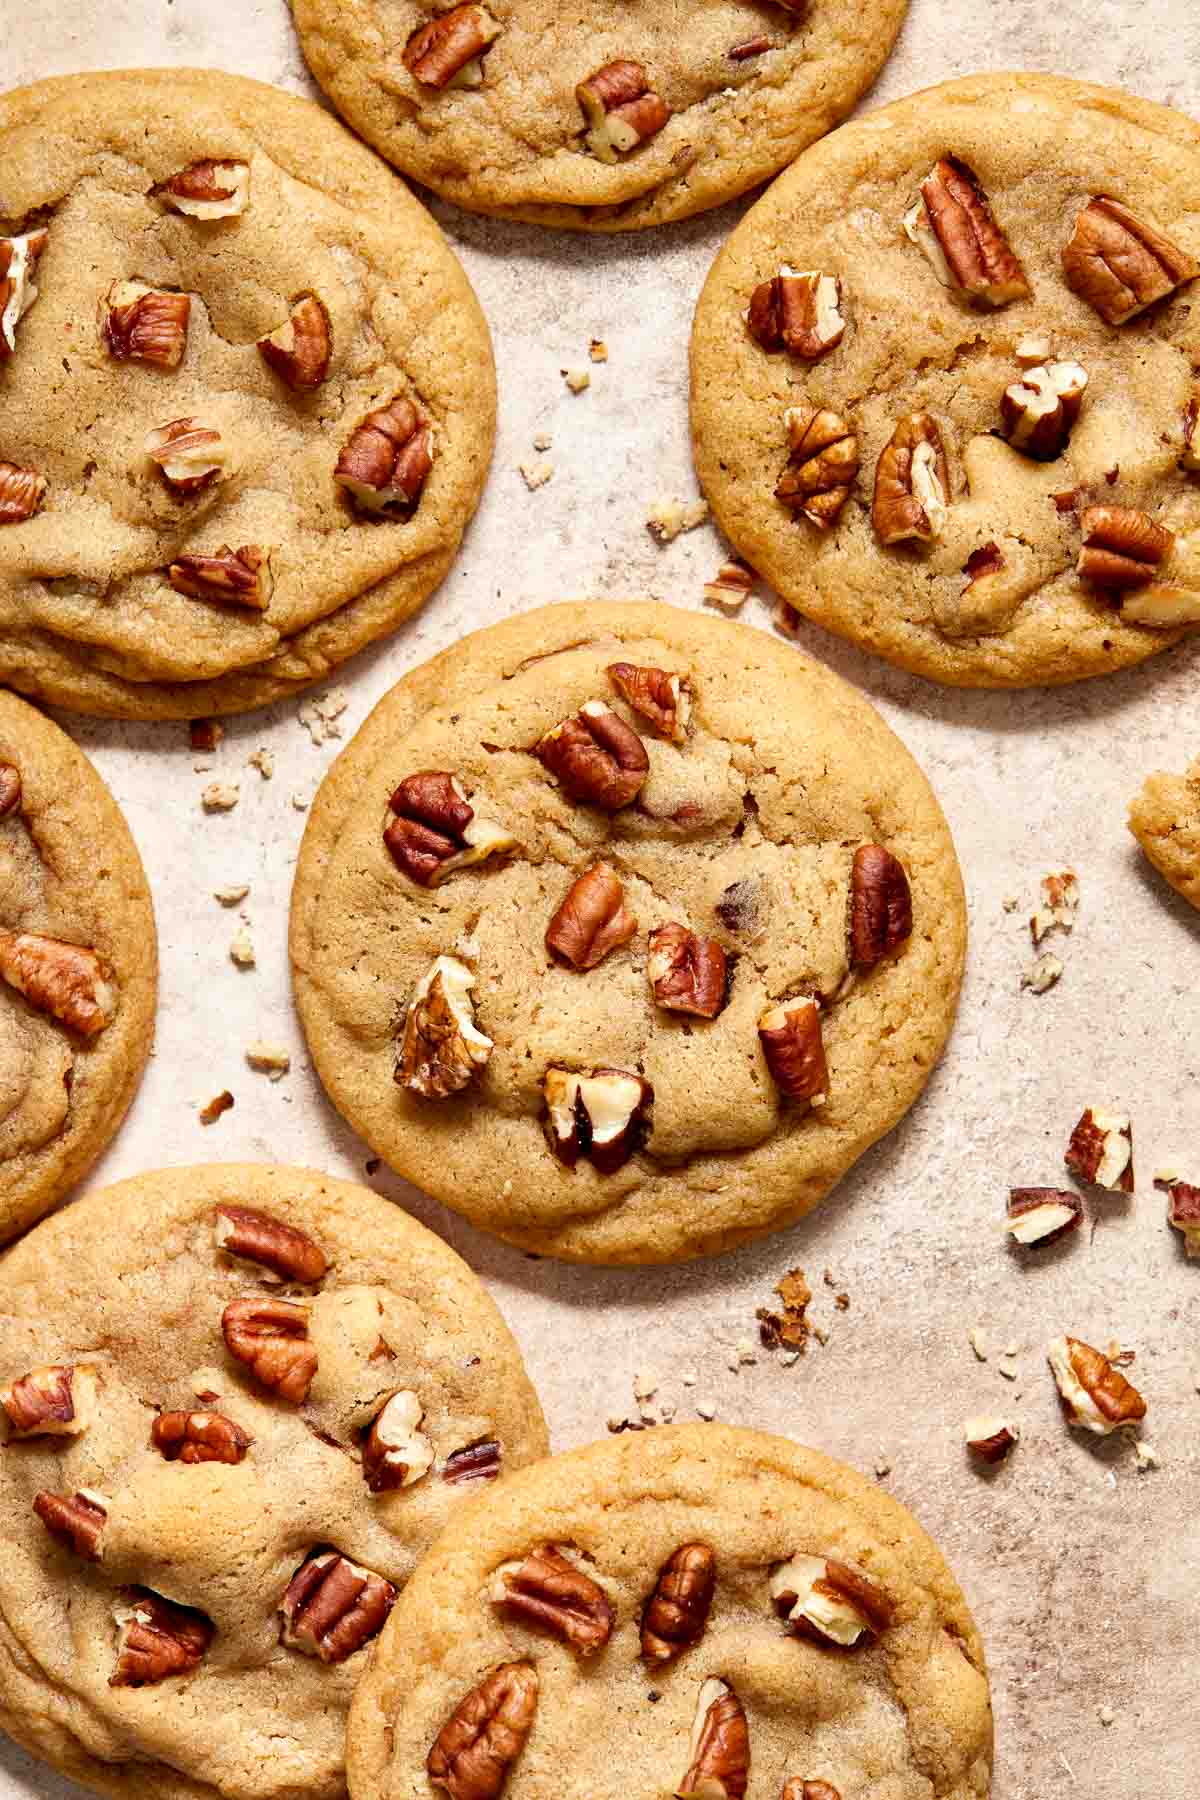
(1083, 1571)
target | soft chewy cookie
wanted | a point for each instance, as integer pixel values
(698, 1610)
(239, 1404)
(943, 389)
(625, 931)
(608, 117)
(78, 965)
(1165, 819)
(247, 398)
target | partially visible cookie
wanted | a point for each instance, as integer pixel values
(78, 965)
(710, 1611)
(943, 382)
(247, 398)
(1165, 819)
(598, 118)
(239, 1403)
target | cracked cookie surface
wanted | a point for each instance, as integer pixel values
(748, 83)
(746, 833)
(195, 1493)
(103, 606)
(71, 884)
(903, 1713)
(990, 595)
(1165, 819)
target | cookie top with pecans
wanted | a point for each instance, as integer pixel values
(247, 394)
(625, 931)
(600, 118)
(231, 1429)
(1164, 817)
(726, 1612)
(943, 388)
(78, 965)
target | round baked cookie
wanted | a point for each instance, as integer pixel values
(78, 965)
(943, 390)
(609, 1007)
(233, 1426)
(1165, 819)
(698, 1609)
(611, 118)
(247, 398)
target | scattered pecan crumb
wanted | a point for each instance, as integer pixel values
(788, 1329)
(220, 1103)
(1042, 973)
(300, 800)
(272, 1060)
(241, 950)
(230, 896)
(731, 586)
(577, 379)
(536, 474)
(598, 350)
(543, 441)
(668, 518)
(263, 761)
(220, 796)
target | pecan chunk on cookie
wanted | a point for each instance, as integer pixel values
(18, 290)
(485, 1734)
(199, 1437)
(384, 465)
(1122, 547)
(10, 789)
(59, 1400)
(678, 1610)
(1039, 410)
(687, 973)
(1095, 1395)
(441, 1048)
(822, 467)
(332, 1607)
(880, 905)
(592, 920)
(1119, 264)
(22, 492)
(601, 1117)
(72, 984)
(76, 1520)
(621, 108)
(798, 310)
(662, 698)
(145, 324)
(912, 483)
(830, 1601)
(237, 577)
(271, 1338)
(474, 1462)
(955, 227)
(719, 1753)
(189, 454)
(548, 1589)
(256, 1237)
(447, 51)
(157, 1639)
(208, 189)
(435, 830)
(790, 1035)
(598, 759)
(299, 351)
(396, 1453)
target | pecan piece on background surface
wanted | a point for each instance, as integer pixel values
(822, 466)
(157, 1639)
(188, 454)
(602, 1116)
(254, 1236)
(271, 1338)
(1095, 1395)
(719, 1753)
(912, 482)
(384, 464)
(10, 789)
(548, 1590)
(1119, 264)
(144, 324)
(208, 189)
(657, 695)
(76, 1520)
(434, 829)
(592, 920)
(731, 586)
(798, 310)
(990, 1438)
(446, 52)
(955, 227)
(829, 1601)
(441, 1048)
(70, 983)
(18, 290)
(59, 1400)
(484, 1735)
(677, 1612)
(687, 973)
(396, 1453)
(238, 577)
(1039, 410)
(1122, 547)
(598, 759)
(474, 1462)
(1042, 1215)
(790, 1035)
(22, 492)
(880, 905)
(1183, 1209)
(1101, 1150)
(332, 1607)
(199, 1437)
(299, 351)
(621, 109)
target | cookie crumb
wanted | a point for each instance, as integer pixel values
(204, 735)
(231, 896)
(1106, 1715)
(706, 1409)
(742, 1354)
(220, 1103)
(300, 800)
(272, 1060)
(1010, 904)
(598, 350)
(668, 518)
(536, 474)
(319, 714)
(979, 1343)
(220, 796)
(264, 761)
(790, 1328)
(645, 1386)
(1042, 973)
(241, 950)
(577, 380)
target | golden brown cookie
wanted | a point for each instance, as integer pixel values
(1165, 819)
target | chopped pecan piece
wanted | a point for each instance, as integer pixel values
(731, 586)
(300, 350)
(189, 454)
(1189, 457)
(1161, 607)
(447, 51)
(912, 483)
(829, 1601)
(751, 47)
(678, 1610)
(435, 830)
(664, 699)
(271, 1338)
(1039, 410)
(1121, 547)
(143, 324)
(798, 310)
(790, 1035)
(1101, 1150)
(990, 1439)
(384, 465)
(22, 492)
(209, 190)
(954, 225)
(76, 1520)
(1042, 1215)
(1095, 1395)
(199, 1437)
(332, 1607)
(822, 467)
(592, 920)
(256, 1237)
(599, 759)
(621, 109)
(18, 290)
(10, 789)
(59, 1400)
(70, 983)
(442, 1049)
(687, 974)
(719, 1753)
(1119, 264)
(1183, 1210)
(880, 905)
(157, 1639)
(548, 1590)
(602, 1116)
(396, 1453)
(475, 1462)
(484, 1735)
(239, 577)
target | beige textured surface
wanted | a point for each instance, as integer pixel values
(1164, 817)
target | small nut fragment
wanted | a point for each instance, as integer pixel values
(144, 324)
(1039, 410)
(22, 492)
(599, 759)
(955, 227)
(719, 1753)
(592, 920)
(790, 1035)
(809, 1790)
(1161, 607)
(396, 1453)
(751, 47)
(435, 830)
(1042, 1215)
(1183, 1210)
(332, 1607)
(1060, 903)
(1095, 1395)
(678, 1609)
(442, 1048)
(384, 465)
(621, 108)
(157, 1639)
(199, 1437)
(76, 1520)
(912, 483)
(798, 310)
(59, 1400)
(10, 789)
(990, 1439)
(548, 1590)
(446, 52)
(687, 974)
(255, 1237)
(239, 577)
(209, 190)
(18, 290)
(300, 350)
(662, 698)
(1189, 458)
(189, 454)
(1119, 264)
(475, 1462)
(602, 1116)
(1101, 1150)
(829, 1601)
(70, 983)
(822, 466)
(731, 586)
(484, 1735)
(271, 1338)
(1121, 547)
(880, 905)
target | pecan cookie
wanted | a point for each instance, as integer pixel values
(232, 1428)
(943, 388)
(78, 965)
(247, 398)
(699, 1610)
(609, 119)
(1165, 819)
(625, 931)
